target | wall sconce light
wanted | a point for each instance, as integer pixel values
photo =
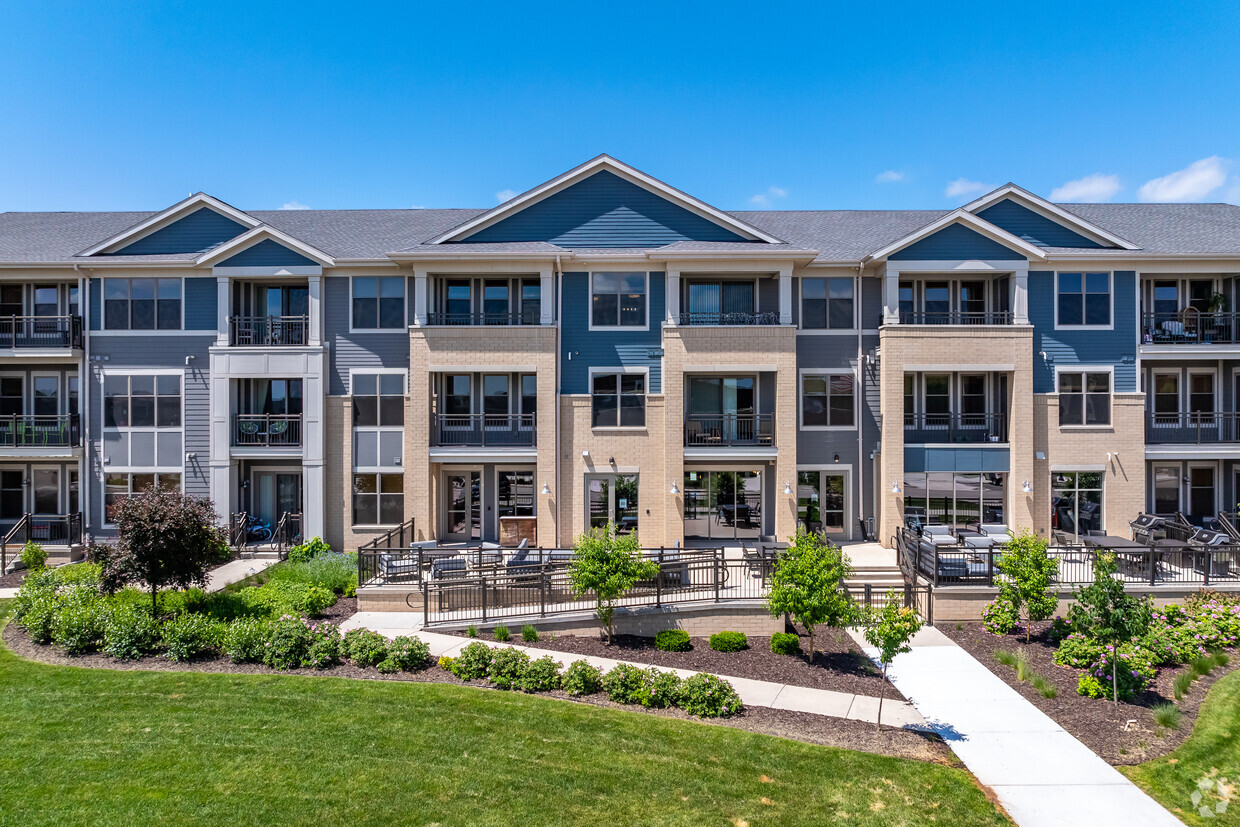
(837, 457)
(586, 454)
(245, 484)
(675, 489)
(1026, 487)
(788, 488)
(895, 488)
(611, 460)
(546, 490)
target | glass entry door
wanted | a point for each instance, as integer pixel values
(820, 503)
(463, 521)
(723, 505)
(613, 499)
(275, 494)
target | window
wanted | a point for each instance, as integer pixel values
(938, 399)
(1076, 501)
(142, 304)
(515, 494)
(618, 299)
(1201, 395)
(827, 304)
(827, 401)
(1201, 491)
(456, 395)
(378, 302)
(1084, 299)
(973, 393)
(495, 301)
(612, 500)
(958, 500)
(46, 395)
(531, 301)
(1166, 396)
(910, 397)
(1084, 399)
(142, 422)
(117, 487)
(12, 393)
(495, 397)
(1166, 489)
(619, 400)
(378, 421)
(529, 393)
(458, 301)
(378, 499)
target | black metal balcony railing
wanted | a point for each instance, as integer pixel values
(480, 319)
(726, 430)
(60, 431)
(967, 428)
(484, 430)
(1190, 327)
(1191, 427)
(955, 317)
(694, 317)
(266, 430)
(266, 331)
(40, 331)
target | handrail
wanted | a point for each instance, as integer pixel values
(287, 532)
(248, 331)
(1190, 326)
(266, 430)
(384, 541)
(480, 319)
(957, 317)
(22, 525)
(1192, 427)
(484, 430)
(40, 331)
(696, 317)
(712, 430)
(954, 427)
(47, 430)
(238, 523)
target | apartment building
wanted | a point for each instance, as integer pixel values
(606, 348)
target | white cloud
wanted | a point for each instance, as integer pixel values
(506, 195)
(1094, 188)
(891, 176)
(963, 186)
(294, 205)
(764, 199)
(1193, 183)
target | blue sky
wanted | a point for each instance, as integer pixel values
(133, 105)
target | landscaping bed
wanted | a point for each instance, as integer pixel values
(1122, 734)
(12, 580)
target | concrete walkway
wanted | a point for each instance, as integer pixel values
(896, 713)
(1041, 773)
(234, 572)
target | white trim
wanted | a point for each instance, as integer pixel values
(169, 216)
(103, 308)
(848, 370)
(632, 371)
(819, 331)
(838, 469)
(1049, 211)
(1110, 274)
(618, 328)
(354, 371)
(960, 216)
(620, 169)
(256, 236)
(403, 328)
(1084, 369)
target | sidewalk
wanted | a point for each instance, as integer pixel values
(896, 713)
(1041, 774)
(233, 572)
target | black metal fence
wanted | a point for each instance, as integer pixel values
(50, 431)
(694, 317)
(970, 428)
(40, 332)
(530, 317)
(1192, 427)
(484, 430)
(1190, 327)
(969, 317)
(268, 331)
(266, 430)
(722, 430)
(45, 529)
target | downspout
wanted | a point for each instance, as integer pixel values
(85, 380)
(861, 387)
(559, 494)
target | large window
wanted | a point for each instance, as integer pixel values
(142, 427)
(142, 401)
(1076, 501)
(723, 504)
(827, 401)
(514, 494)
(142, 304)
(1084, 299)
(378, 499)
(618, 299)
(1084, 398)
(820, 502)
(378, 302)
(827, 304)
(619, 400)
(958, 500)
(117, 487)
(378, 420)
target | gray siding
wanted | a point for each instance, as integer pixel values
(195, 233)
(356, 350)
(955, 242)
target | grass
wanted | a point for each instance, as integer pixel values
(1166, 715)
(1182, 683)
(104, 747)
(1019, 662)
(1211, 752)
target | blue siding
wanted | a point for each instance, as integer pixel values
(1116, 347)
(955, 242)
(961, 460)
(199, 231)
(356, 350)
(268, 253)
(604, 210)
(95, 311)
(200, 304)
(1033, 227)
(607, 348)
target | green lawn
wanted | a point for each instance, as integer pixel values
(102, 747)
(1213, 751)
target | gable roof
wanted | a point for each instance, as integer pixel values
(260, 235)
(157, 221)
(1050, 211)
(969, 220)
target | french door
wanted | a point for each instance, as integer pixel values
(463, 505)
(612, 498)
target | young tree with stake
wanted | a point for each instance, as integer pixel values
(890, 629)
(608, 565)
(808, 583)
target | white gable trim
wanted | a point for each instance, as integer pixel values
(261, 233)
(961, 216)
(621, 169)
(1051, 212)
(169, 216)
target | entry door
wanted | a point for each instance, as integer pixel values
(820, 502)
(276, 493)
(45, 495)
(613, 499)
(1201, 493)
(464, 505)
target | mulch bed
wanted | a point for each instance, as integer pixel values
(799, 726)
(1121, 734)
(838, 665)
(12, 581)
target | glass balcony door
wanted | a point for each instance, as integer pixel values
(723, 505)
(463, 506)
(723, 403)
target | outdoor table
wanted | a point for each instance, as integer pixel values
(1183, 547)
(1129, 551)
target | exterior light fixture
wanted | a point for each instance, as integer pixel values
(546, 490)
(895, 488)
(1026, 487)
(837, 457)
(675, 489)
(788, 488)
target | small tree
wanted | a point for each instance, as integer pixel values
(808, 583)
(608, 565)
(890, 629)
(165, 538)
(1108, 614)
(1027, 574)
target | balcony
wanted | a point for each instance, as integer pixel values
(63, 431)
(483, 431)
(1191, 428)
(1190, 327)
(956, 317)
(266, 431)
(482, 319)
(268, 331)
(728, 430)
(955, 428)
(699, 318)
(41, 332)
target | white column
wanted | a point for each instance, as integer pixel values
(546, 295)
(316, 311)
(314, 447)
(1020, 297)
(891, 297)
(419, 297)
(673, 297)
(222, 469)
(223, 298)
(785, 294)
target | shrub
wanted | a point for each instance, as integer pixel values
(314, 600)
(472, 631)
(708, 696)
(405, 654)
(33, 556)
(807, 584)
(1166, 715)
(1000, 617)
(245, 640)
(288, 642)
(529, 634)
(1091, 687)
(76, 574)
(540, 675)
(129, 633)
(785, 643)
(623, 684)
(502, 634)
(672, 640)
(729, 641)
(1025, 582)
(78, 621)
(324, 649)
(1182, 683)
(473, 663)
(507, 667)
(1132, 667)
(1059, 630)
(280, 597)
(1078, 651)
(364, 647)
(660, 689)
(580, 678)
(38, 613)
(307, 550)
(445, 663)
(190, 636)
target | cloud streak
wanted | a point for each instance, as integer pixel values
(506, 195)
(1096, 187)
(764, 199)
(294, 205)
(963, 186)
(1193, 183)
(891, 176)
